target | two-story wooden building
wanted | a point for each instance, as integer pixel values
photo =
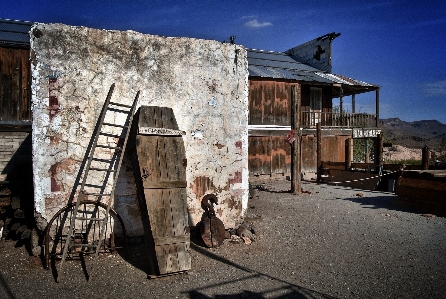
(308, 68)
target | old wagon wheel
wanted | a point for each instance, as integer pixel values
(56, 232)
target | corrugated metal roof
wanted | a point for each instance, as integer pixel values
(269, 64)
(14, 33)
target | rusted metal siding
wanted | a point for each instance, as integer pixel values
(15, 91)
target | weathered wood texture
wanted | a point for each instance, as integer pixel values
(270, 104)
(162, 176)
(421, 189)
(296, 161)
(422, 192)
(269, 155)
(15, 85)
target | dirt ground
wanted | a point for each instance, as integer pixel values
(329, 242)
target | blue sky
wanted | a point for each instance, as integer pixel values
(399, 45)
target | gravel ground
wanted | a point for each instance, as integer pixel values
(333, 243)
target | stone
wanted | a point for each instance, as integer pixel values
(19, 214)
(5, 201)
(21, 229)
(26, 234)
(15, 226)
(15, 203)
(36, 251)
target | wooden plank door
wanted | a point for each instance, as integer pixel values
(162, 173)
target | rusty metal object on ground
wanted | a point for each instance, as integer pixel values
(246, 232)
(212, 229)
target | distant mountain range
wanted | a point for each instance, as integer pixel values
(415, 134)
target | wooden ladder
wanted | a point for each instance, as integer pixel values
(83, 221)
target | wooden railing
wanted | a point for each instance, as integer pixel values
(309, 119)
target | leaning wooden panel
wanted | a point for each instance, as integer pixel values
(157, 166)
(160, 171)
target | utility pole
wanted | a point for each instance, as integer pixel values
(295, 145)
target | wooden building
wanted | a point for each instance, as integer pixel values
(307, 67)
(15, 98)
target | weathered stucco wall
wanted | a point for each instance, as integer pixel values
(204, 82)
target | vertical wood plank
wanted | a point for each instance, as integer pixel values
(160, 161)
(295, 147)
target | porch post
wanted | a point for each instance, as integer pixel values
(377, 108)
(379, 159)
(295, 146)
(353, 103)
(319, 151)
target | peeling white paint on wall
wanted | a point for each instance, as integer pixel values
(205, 83)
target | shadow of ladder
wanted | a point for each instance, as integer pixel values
(107, 167)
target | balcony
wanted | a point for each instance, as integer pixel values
(309, 119)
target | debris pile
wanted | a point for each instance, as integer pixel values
(13, 223)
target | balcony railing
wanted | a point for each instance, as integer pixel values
(344, 120)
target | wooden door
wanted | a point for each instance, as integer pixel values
(161, 169)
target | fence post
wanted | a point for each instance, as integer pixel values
(425, 158)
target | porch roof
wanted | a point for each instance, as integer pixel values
(278, 65)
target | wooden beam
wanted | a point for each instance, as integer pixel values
(377, 107)
(353, 103)
(380, 155)
(348, 153)
(295, 146)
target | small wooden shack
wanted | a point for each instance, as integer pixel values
(15, 96)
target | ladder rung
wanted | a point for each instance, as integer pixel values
(102, 169)
(121, 105)
(102, 160)
(110, 135)
(93, 185)
(96, 194)
(115, 125)
(90, 218)
(108, 146)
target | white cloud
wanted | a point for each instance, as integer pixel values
(256, 24)
(435, 89)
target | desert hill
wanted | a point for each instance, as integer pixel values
(414, 134)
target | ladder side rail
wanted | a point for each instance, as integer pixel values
(103, 225)
(84, 179)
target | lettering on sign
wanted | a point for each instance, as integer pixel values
(365, 133)
(159, 131)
